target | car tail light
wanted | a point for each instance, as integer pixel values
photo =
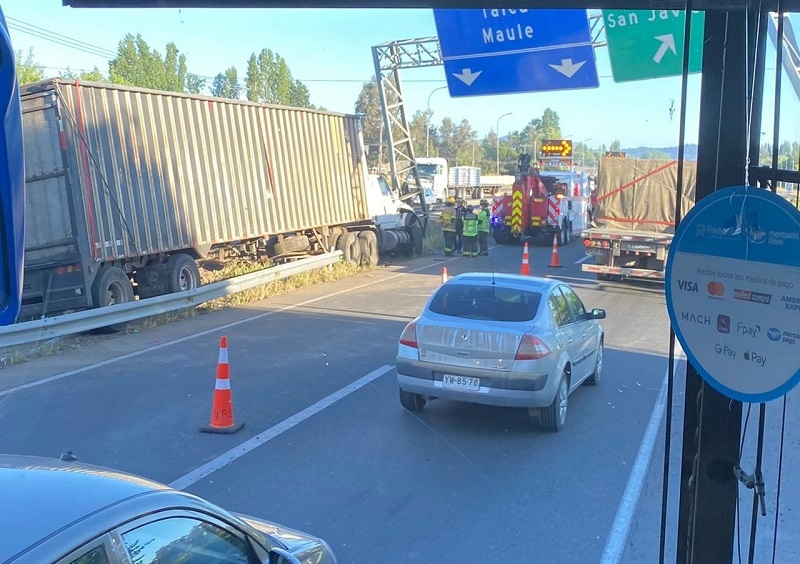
(409, 336)
(531, 348)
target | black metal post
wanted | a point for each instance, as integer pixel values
(712, 422)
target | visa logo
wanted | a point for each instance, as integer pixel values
(687, 286)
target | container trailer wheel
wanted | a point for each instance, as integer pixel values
(182, 273)
(292, 244)
(351, 248)
(111, 286)
(369, 248)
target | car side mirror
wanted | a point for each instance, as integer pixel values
(281, 556)
(597, 314)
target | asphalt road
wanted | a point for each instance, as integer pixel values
(327, 448)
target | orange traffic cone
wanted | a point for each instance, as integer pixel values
(554, 261)
(444, 274)
(222, 408)
(525, 270)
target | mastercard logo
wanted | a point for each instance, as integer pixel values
(716, 289)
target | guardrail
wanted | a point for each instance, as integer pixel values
(69, 324)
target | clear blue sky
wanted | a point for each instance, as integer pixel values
(330, 51)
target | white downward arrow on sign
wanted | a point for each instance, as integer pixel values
(568, 68)
(667, 43)
(467, 76)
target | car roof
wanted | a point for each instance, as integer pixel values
(48, 495)
(530, 283)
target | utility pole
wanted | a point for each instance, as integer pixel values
(712, 422)
(428, 120)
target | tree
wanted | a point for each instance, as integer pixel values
(93, 75)
(138, 65)
(194, 84)
(550, 126)
(615, 145)
(420, 133)
(368, 106)
(28, 70)
(226, 84)
(269, 81)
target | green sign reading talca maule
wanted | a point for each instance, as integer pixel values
(646, 44)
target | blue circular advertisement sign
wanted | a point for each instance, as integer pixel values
(733, 292)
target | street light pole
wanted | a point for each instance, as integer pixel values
(583, 152)
(428, 120)
(497, 133)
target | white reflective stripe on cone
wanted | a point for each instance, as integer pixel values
(223, 384)
(223, 356)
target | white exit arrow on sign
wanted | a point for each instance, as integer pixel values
(667, 44)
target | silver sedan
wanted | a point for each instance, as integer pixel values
(505, 340)
(65, 512)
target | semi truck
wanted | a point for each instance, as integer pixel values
(635, 217)
(128, 188)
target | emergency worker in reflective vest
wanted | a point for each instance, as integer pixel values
(470, 233)
(483, 229)
(459, 223)
(448, 218)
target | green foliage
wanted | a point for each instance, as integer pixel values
(28, 70)
(226, 84)
(136, 64)
(269, 81)
(93, 75)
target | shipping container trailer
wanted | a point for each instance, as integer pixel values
(127, 184)
(635, 217)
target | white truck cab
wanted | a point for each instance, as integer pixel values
(435, 169)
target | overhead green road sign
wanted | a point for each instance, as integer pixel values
(646, 44)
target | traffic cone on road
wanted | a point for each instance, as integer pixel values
(525, 270)
(222, 408)
(444, 274)
(554, 261)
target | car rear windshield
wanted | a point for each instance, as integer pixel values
(493, 303)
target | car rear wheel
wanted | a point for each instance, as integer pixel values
(554, 417)
(412, 402)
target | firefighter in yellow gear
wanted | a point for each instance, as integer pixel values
(483, 229)
(470, 233)
(448, 219)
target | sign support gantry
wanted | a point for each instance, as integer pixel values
(389, 58)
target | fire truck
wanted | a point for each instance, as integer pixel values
(534, 208)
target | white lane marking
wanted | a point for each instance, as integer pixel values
(584, 259)
(621, 527)
(150, 349)
(276, 430)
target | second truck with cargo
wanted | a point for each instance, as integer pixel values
(127, 188)
(635, 217)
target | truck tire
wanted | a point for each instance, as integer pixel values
(291, 244)
(182, 273)
(111, 286)
(369, 248)
(351, 248)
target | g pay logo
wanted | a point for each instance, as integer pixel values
(724, 349)
(715, 289)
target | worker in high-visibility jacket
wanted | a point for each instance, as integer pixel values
(483, 229)
(470, 233)
(448, 219)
